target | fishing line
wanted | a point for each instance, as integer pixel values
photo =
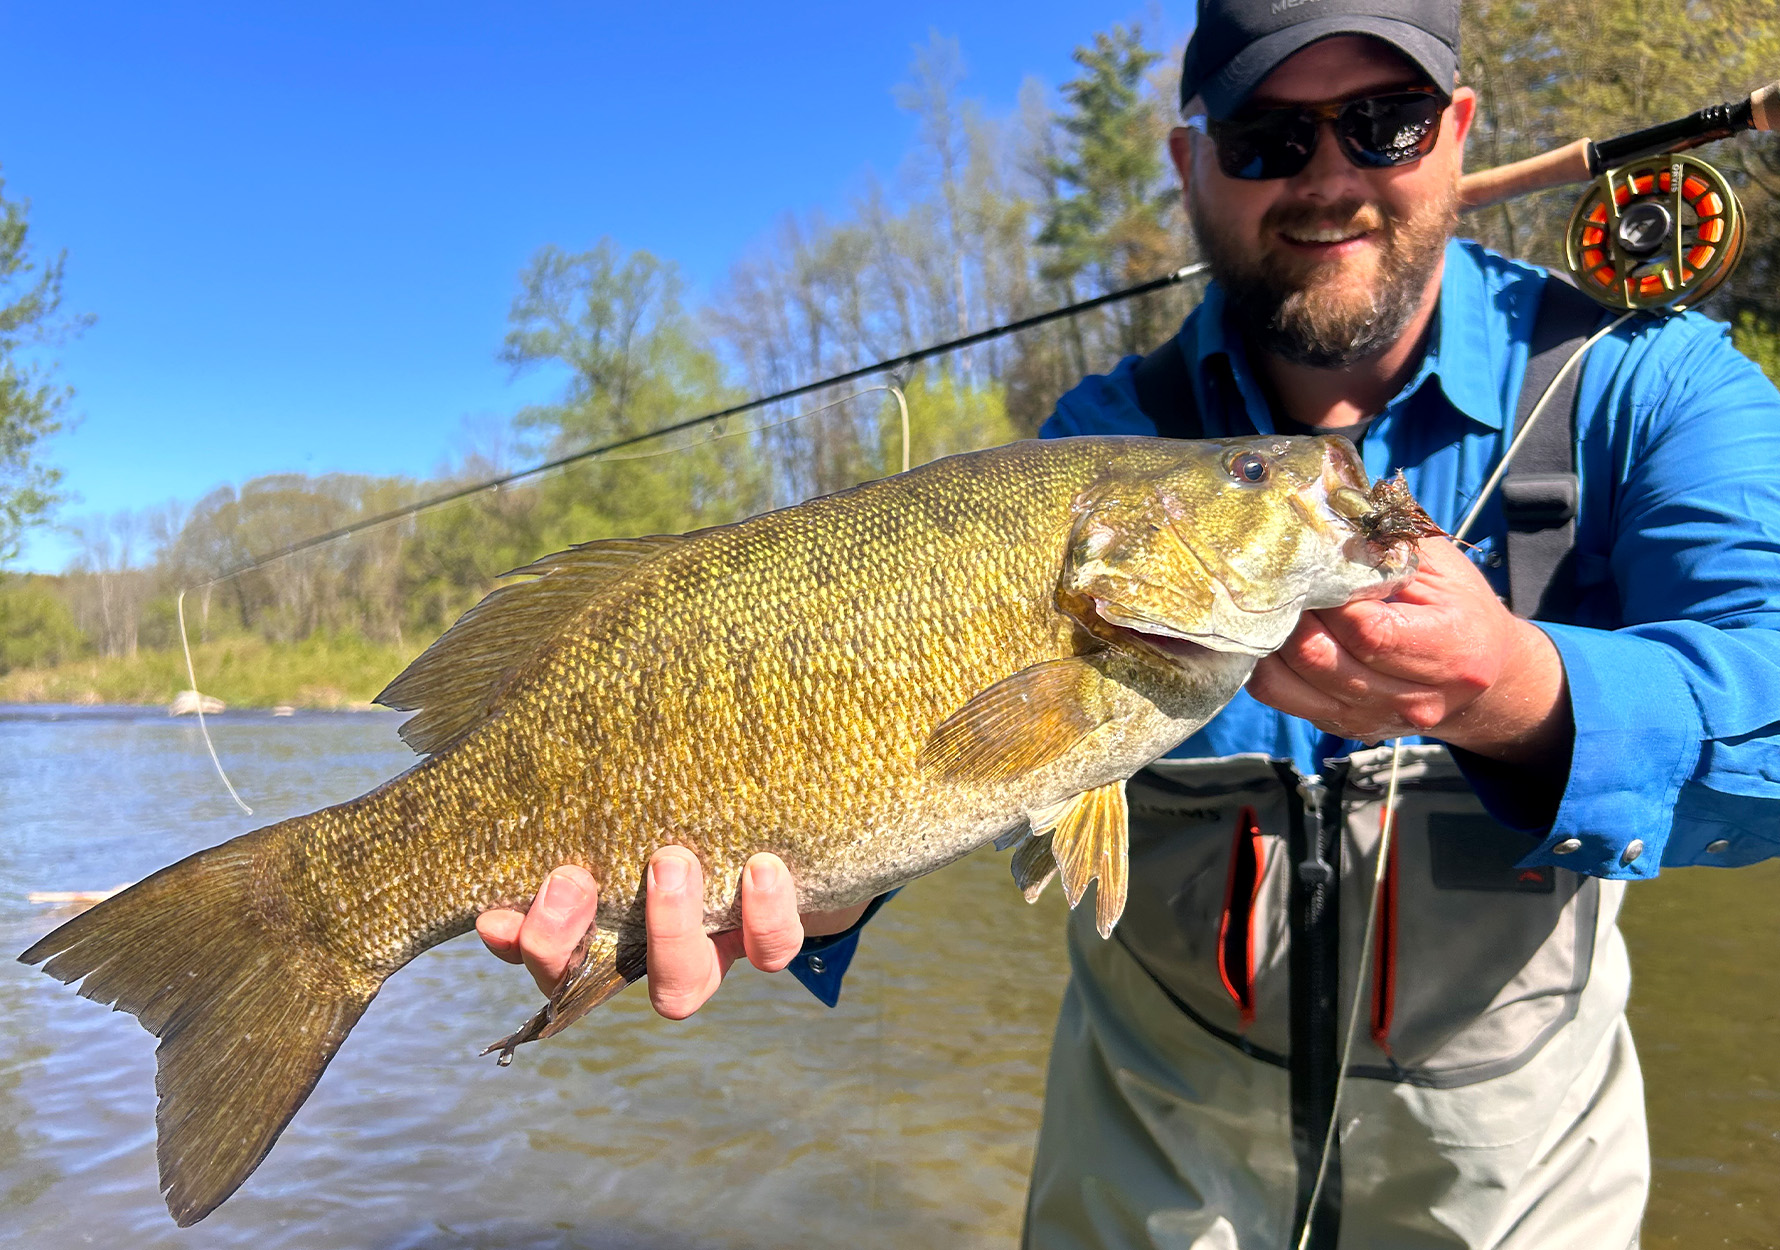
(1388, 827)
(852, 375)
(379, 522)
(198, 703)
(1538, 410)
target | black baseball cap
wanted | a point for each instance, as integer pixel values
(1237, 43)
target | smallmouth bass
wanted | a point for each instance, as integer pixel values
(871, 685)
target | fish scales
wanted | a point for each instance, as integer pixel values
(871, 685)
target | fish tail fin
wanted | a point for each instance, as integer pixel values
(249, 1012)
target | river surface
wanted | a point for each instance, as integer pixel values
(905, 1117)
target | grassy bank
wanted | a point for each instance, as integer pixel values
(242, 672)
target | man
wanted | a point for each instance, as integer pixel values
(1493, 1095)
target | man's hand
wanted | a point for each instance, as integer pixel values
(1443, 657)
(685, 964)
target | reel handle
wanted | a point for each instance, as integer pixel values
(1583, 159)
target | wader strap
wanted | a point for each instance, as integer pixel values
(1165, 392)
(1541, 492)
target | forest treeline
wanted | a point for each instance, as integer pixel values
(992, 218)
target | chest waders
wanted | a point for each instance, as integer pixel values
(1493, 1097)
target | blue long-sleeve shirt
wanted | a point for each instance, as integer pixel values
(1673, 662)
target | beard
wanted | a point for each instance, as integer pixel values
(1326, 315)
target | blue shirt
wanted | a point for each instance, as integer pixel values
(1673, 662)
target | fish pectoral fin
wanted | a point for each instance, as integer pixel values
(1033, 866)
(1019, 724)
(1089, 842)
(605, 968)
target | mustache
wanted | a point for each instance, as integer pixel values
(1352, 214)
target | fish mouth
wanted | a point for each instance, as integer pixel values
(1339, 505)
(1175, 646)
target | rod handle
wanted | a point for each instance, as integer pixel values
(1764, 106)
(1555, 168)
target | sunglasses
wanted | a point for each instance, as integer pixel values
(1376, 132)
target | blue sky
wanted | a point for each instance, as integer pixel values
(299, 226)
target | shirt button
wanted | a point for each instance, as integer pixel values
(818, 965)
(1569, 846)
(1633, 849)
(1719, 847)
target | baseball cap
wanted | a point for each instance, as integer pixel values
(1237, 43)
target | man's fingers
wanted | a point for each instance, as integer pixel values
(559, 918)
(1318, 655)
(772, 933)
(1274, 683)
(684, 968)
(499, 931)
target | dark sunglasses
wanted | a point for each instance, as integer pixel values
(1376, 132)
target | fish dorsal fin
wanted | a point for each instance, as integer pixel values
(1020, 723)
(1088, 841)
(454, 683)
(1033, 866)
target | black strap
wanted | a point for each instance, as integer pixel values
(1541, 492)
(1165, 392)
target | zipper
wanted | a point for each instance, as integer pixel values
(1315, 966)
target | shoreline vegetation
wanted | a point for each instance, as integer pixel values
(340, 673)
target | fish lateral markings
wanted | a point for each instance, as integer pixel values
(871, 685)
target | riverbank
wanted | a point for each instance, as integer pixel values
(326, 673)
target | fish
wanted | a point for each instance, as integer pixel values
(871, 684)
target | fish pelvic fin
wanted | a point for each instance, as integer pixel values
(607, 965)
(454, 684)
(1089, 842)
(1033, 866)
(1019, 724)
(248, 1012)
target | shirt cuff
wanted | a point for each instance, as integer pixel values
(1638, 734)
(822, 962)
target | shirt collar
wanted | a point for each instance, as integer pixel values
(1458, 359)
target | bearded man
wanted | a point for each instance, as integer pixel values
(1492, 1096)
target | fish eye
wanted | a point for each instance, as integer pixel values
(1250, 467)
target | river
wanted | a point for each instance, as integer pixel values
(904, 1117)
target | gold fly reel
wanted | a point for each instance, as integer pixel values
(1660, 232)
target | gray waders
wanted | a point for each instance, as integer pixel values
(1494, 1098)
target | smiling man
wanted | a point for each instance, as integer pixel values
(1202, 1091)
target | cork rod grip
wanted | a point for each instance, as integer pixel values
(1764, 106)
(1549, 169)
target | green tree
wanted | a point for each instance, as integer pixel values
(636, 361)
(1111, 220)
(32, 403)
(36, 626)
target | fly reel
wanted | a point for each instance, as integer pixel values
(1662, 231)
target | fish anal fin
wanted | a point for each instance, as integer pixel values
(1019, 724)
(606, 967)
(1089, 843)
(1033, 866)
(454, 683)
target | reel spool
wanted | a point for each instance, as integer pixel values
(1659, 232)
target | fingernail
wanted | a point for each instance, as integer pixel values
(668, 872)
(764, 874)
(562, 894)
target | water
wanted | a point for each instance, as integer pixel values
(904, 1117)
